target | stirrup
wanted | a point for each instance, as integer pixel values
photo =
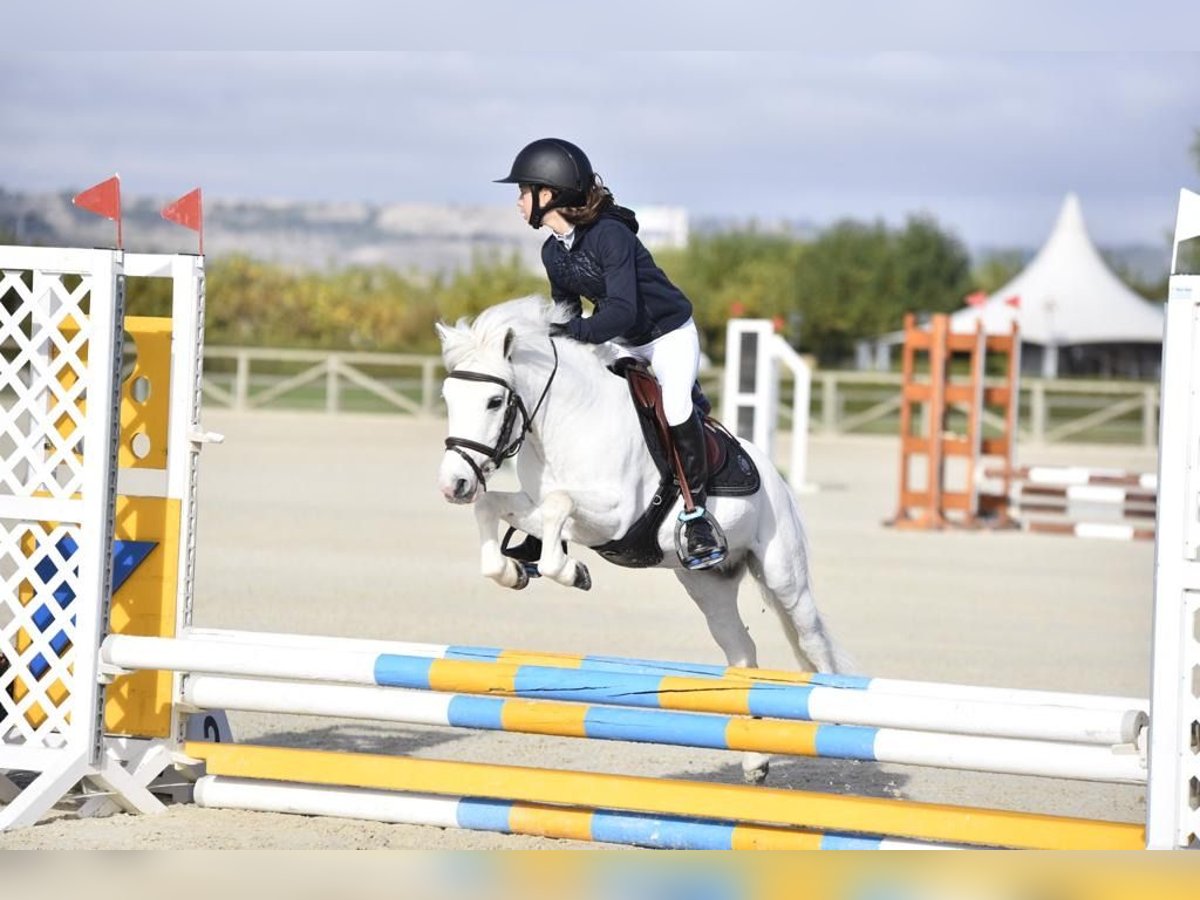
(708, 560)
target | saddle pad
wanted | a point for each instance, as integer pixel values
(732, 472)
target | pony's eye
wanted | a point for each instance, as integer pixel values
(495, 402)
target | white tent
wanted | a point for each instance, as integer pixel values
(1068, 298)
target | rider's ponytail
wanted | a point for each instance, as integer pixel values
(599, 199)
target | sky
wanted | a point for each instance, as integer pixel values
(987, 142)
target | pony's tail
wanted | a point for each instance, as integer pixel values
(785, 580)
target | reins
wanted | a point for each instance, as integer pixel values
(513, 405)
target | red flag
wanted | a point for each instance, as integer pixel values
(103, 199)
(1014, 301)
(978, 298)
(188, 211)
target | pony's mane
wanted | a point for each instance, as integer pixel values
(528, 318)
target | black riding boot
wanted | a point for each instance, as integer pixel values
(700, 401)
(699, 540)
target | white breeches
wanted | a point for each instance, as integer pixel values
(675, 359)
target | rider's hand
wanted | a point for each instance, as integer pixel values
(560, 329)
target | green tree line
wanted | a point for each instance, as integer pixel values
(853, 280)
(850, 281)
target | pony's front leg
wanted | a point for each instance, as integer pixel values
(555, 564)
(493, 564)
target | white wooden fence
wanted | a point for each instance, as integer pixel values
(1052, 411)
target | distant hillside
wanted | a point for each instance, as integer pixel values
(322, 236)
(403, 236)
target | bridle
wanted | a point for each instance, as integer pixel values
(504, 448)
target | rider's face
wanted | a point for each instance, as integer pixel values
(525, 200)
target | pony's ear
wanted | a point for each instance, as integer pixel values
(451, 336)
(509, 338)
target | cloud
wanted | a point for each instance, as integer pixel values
(987, 142)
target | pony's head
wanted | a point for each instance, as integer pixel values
(486, 412)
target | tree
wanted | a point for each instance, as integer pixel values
(735, 273)
(997, 269)
(859, 280)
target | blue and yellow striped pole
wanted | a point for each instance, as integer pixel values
(672, 797)
(660, 832)
(687, 729)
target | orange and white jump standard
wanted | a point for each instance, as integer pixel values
(104, 681)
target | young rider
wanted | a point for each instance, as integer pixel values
(593, 251)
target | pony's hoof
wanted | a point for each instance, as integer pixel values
(583, 578)
(522, 579)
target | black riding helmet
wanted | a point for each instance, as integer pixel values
(558, 165)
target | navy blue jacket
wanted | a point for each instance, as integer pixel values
(634, 301)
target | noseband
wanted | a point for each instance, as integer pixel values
(504, 448)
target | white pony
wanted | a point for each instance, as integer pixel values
(586, 476)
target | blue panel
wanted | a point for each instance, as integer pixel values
(846, 741)
(657, 727)
(402, 671)
(484, 815)
(476, 712)
(849, 842)
(546, 683)
(780, 701)
(851, 682)
(127, 556)
(43, 618)
(650, 667)
(474, 654)
(47, 568)
(662, 832)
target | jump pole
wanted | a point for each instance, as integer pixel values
(782, 701)
(1085, 762)
(635, 666)
(534, 819)
(662, 796)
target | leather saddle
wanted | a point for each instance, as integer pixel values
(731, 470)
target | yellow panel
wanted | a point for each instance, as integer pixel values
(140, 704)
(775, 806)
(143, 423)
(146, 420)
